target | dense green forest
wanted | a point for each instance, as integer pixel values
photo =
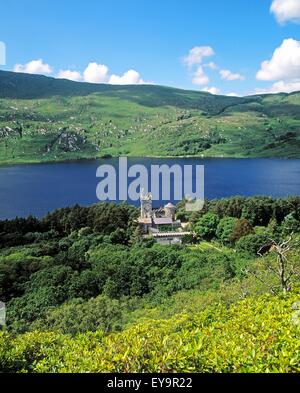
(47, 119)
(85, 292)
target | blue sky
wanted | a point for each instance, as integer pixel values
(101, 40)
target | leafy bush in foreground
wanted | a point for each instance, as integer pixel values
(251, 336)
(81, 316)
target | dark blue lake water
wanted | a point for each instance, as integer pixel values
(37, 189)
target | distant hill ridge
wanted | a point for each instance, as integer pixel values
(48, 119)
(28, 86)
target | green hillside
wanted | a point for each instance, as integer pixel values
(47, 119)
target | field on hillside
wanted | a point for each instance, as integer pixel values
(42, 119)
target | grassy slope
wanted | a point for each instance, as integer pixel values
(43, 119)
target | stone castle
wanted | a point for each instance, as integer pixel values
(160, 223)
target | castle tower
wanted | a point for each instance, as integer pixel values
(146, 205)
(169, 210)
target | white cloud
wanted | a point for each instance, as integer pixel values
(194, 58)
(197, 54)
(200, 78)
(93, 73)
(232, 94)
(283, 68)
(130, 77)
(211, 65)
(99, 73)
(280, 87)
(212, 90)
(284, 64)
(68, 74)
(34, 67)
(286, 10)
(96, 73)
(230, 76)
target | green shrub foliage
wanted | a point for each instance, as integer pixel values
(254, 335)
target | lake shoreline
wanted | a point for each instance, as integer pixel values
(87, 159)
